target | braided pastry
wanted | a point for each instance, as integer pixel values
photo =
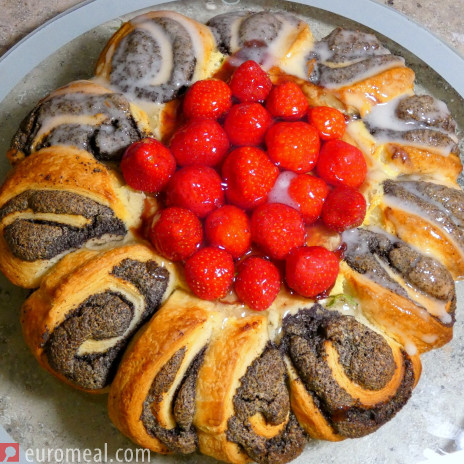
(187, 375)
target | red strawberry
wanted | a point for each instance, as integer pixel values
(209, 273)
(246, 124)
(309, 192)
(341, 164)
(311, 271)
(277, 229)
(176, 233)
(329, 122)
(293, 146)
(287, 101)
(229, 228)
(257, 283)
(250, 83)
(199, 142)
(197, 188)
(147, 165)
(344, 208)
(210, 98)
(249, 175)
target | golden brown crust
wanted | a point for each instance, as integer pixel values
(76, 277)
(183, 322)
(409, 324)
(61, 169)
(226, 361)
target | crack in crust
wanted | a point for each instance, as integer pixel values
(263, 392)
(366, 359)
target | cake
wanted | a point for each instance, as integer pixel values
(112, 313)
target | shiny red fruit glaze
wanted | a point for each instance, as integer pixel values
(257, 283)
(197, 188)
(210, 98)
(311, 270)
(209, 273)
(246, 124)
(344, 208)
(329, 122)
(250, 83)
(147, 165)
(287, 101)
(341, 164)
(277, 229)
(249, 176)
(293, 146)
(201, 142)
(228, 227)
(176, 233)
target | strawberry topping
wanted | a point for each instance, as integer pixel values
(201, 142)
(247, 123)
(197, 188)
(287, 101)
(229, 228)
(176, 233)
(329, 122)
(311, 271)
(257, 283)
(277, 229)
(250, 83)
(209, 273)
(210, 98)
(147, 165)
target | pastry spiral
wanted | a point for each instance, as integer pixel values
(346, 380)
(156, 55)
(83, 115)
(79, 321)
(409, 295)
(57, 200)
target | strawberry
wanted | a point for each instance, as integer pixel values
(246, 124)
(257, 283)
(311, 271)
(176, 233)
(287, 101)
(309, 192)
(344, 208)
(329, 122)
(341, 164)
(277, 229)
(210, 98)
(249, 175)
(293, 146)
(209, 273)
(250, 83)
(197, 188)
(228, 227)
(147, 165)
(199, 142)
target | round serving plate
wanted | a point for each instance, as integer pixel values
(41, 413)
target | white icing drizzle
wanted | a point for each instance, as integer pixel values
(279, 193)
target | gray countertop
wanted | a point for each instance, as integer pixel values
(444, 18)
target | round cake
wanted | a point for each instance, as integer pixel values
(246, 236)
